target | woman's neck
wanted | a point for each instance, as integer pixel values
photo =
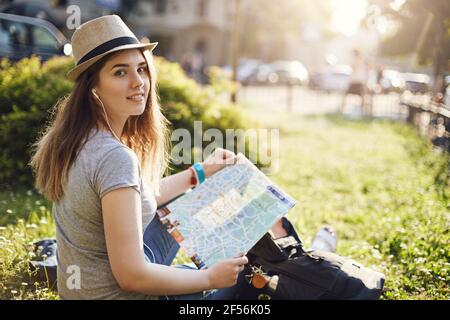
(115, 128)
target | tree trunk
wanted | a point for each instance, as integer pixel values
(235, 46)
(438, 57)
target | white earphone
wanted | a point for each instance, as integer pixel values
(94, 92)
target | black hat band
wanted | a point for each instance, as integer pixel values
(105, 47)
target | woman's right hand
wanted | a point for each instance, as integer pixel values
(225, 273)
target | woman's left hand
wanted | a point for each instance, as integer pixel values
(218, 160)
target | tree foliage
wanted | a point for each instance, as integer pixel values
(424, 30)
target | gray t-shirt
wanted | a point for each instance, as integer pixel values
(102, 165)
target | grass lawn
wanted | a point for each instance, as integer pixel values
(381, 186)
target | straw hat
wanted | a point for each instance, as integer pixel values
(96, 38)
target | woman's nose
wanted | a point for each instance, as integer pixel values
(137, 80)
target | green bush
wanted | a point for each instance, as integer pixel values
(30, 89)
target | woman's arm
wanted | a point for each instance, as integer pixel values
(174, 185)
(177, 184)
(122, 220)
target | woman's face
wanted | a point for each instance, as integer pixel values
(124, 84)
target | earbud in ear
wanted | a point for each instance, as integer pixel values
(94, 92)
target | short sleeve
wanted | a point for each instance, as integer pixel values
(119, 168)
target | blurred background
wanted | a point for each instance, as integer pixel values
(405, 44)
(359, 90)
(361, 58)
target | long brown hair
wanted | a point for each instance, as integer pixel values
(75, 116)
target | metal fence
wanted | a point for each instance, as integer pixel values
(303, 100)
(432, 119)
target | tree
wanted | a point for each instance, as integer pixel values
(425, 30)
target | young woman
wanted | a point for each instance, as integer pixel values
(101, 161)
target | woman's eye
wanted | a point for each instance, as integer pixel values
(142, 69)
(119, 73)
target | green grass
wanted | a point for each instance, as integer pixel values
(25, 218)
(381, 186)
(378, 183)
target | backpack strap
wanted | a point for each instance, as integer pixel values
(287, 225)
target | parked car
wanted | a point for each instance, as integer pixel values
(245, 69)
(288, 73)
(391, 81)
(21, 37)
(416, 82)
(34, 10)
(278, 73)
(333, 79)
(261, 75)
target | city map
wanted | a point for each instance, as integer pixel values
(227, 214)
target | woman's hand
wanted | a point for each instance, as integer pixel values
(225, 273)
(218, 160)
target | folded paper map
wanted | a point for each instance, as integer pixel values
(227, 214)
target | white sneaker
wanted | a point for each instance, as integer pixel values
(325, 239)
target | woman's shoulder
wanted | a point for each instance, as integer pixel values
(102, 145)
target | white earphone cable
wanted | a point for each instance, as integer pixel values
(106, 116)
(151, 251)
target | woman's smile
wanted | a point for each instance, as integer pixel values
(137, 97)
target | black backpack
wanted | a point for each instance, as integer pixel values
(282, 269)
(43, 268)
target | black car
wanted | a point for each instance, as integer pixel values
(21, 37)
(33, 10)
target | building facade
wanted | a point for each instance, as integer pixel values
(199, 29)
(196, 29)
